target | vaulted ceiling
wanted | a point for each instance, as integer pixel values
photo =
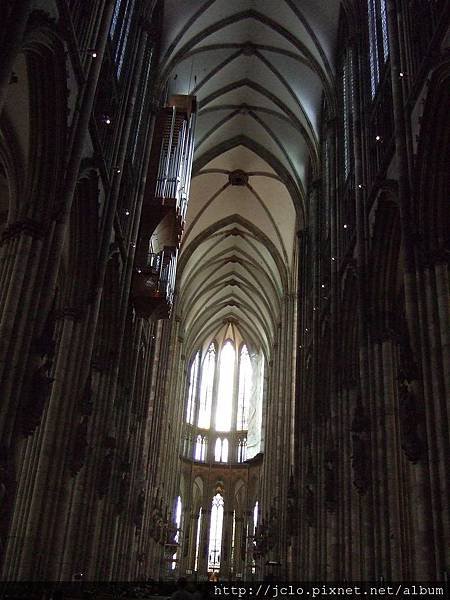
(260, 70)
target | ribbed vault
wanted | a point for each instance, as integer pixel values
(260, 71)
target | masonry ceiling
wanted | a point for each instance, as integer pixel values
(260, 70)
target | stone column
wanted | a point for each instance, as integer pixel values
(23, 244)
(204, 543)
(225, 561)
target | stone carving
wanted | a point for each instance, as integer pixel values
(172, 531)
(266, 534)
(39, 386)
(156, 520)
(410, 418)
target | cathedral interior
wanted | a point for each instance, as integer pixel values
(225, 325)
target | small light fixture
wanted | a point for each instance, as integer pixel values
(107, 119)
(300, 347)
(323, 285)
(378, 138)
(345, 226)
(127, 213)
(117, 170)
(401, 74)
(306, 330)
(360, 185)
(139, 271)
(133, 245)
(333, 258)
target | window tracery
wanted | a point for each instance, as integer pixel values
(206, 388)
(225, 394)
(220, 390)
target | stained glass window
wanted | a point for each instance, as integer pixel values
(347, 88)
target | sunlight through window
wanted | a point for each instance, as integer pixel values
(177, 535)
(206, 391)
(245, 387)
(190, 410)
(225, 394)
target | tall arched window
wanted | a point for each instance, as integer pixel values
(218, 450)
(120, 30)
(245, 388)
(193, 380)
(347, 100)
(215, 533)
(207, 386)
(221, 450)
(225, 394)
(224, 450)
(242, 450)
(115, 17)
(143, 102)
(378, 40)
(200, 448)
